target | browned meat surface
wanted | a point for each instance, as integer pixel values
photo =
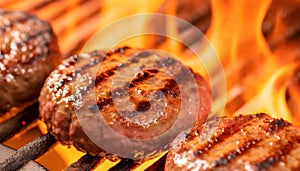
(148, 107)
(245, 142)
(28, 53)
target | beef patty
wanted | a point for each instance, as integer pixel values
(139, 94)
(245, 142)
(28, 53)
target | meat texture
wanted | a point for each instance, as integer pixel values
(144, 102)
(245, 142)
(28, 53)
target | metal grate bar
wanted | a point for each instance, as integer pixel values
(53, 12)
(25, 5)
(28, 152)
(86, 163)
(40, 5)
(125, 164)
(21, 120)
(71, 19)
(83, 32)
(73, 32)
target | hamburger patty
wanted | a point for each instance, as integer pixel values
(131, 91)
(245, 142)
(28, 53)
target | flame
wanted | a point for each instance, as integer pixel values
(272, 97)
(236, 34)
(255, 79)
(171, 45)
(114, 10)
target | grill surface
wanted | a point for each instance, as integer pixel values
(73, 31)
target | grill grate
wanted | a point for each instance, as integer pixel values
(86, 162)
(13, 126)
(73, 31)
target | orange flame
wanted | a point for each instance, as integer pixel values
(272, 97)
(236, 33)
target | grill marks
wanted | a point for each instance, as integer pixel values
(119, 66)
(225, 131)
(108, 73)
(105, 75)
(275, 152)
(279, 154)
(168, 88)
(113, 59)
(43, 45)
(63, 81)
(257, 141)
(291, 156)
(142, 77)
(22, 19)
(231, 155)
(113, 69)
(29, 52)
(277, 124)
(72, 61)
(101, 103)
(26, 39)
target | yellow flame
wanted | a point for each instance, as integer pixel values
(272, 97)
(238, 39)
(116, 9)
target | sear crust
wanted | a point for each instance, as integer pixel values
(245, 142)
(28, 53)
(58, 104)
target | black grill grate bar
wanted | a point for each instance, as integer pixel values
(12, 126)
(86, 163)
(40, 5)
(125, 164)
(28, 152)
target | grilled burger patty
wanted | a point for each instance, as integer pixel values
(139, 119)
(245, 142)
(28, 53)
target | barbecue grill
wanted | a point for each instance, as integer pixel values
(74, 22)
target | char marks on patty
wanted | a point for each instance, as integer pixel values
(245, 142)
(128, 88)
(28, 53)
